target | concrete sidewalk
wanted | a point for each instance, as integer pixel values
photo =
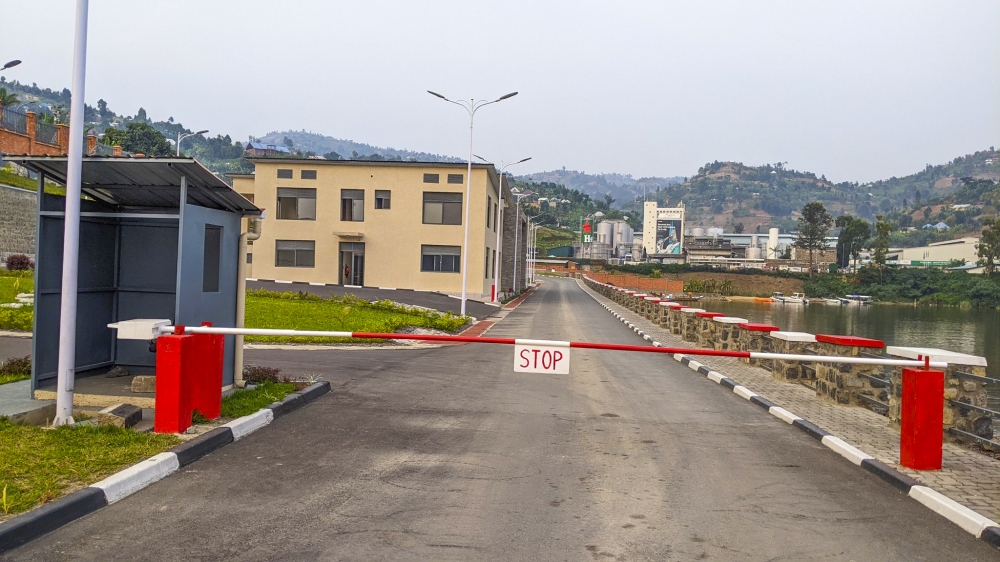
(968, 477)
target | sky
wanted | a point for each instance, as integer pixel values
(856, 91)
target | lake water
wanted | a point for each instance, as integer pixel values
(972, 331)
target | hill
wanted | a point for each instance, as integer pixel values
(335, 149)
(621, 187)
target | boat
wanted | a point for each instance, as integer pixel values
(777, 296)
(796, 298)
(833, 301)
(761, 299)
(859, 299)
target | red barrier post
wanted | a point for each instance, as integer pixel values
(922, 419)
(173, 360)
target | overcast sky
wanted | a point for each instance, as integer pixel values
(853, 90)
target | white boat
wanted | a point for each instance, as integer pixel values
(833, 301)
(859, 299)
(796, 298)
(778, 296)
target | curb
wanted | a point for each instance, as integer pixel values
(972, 522)
(51, 516)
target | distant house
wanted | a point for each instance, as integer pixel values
(941, 226)
(257, 148)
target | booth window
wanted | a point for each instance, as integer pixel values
(382, 198)
(440, 258)
(296, 204)
(352, 205)
(295, 253)
(442, 208)
(213, 259)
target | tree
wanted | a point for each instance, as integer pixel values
(102, 108)
(139, 137)
(854, 234)
(814, 225)
(608, 199)
(880, 244)
(988, 249)
(288, 143)
(141, 115)
(738, 229)
(8, 98)
(332, 156)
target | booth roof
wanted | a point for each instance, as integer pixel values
(144, 182)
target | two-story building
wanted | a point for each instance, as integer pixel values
(375, 224)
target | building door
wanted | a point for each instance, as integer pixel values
(352, 263)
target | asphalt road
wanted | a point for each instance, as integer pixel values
(14, 347)
(437, 301)
(446, 454)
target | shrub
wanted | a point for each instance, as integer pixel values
(19, 262)
(255, 374)
(16, 366)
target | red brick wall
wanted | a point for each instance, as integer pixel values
(640, 283)
(14, 143)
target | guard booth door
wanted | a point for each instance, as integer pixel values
(352, 263)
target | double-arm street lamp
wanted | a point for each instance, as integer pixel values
(471, 106)
(499, 229)
(181, 137)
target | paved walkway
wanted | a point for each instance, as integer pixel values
(968, 477)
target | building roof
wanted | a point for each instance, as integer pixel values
(257, 145)
(144, 182)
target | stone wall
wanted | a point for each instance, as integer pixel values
(508, 278)
(17, 221)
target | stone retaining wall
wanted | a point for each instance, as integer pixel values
(17, 221)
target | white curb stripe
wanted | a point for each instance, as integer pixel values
(715, 377)
(744, 392)
(387, 288)
(136, 477)
(783, 414)
(280, 281)
(248, 424)
(951, 510)
(845, 450)
(317, 284)
(693, 365)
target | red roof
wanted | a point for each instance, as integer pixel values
(707, 314)
(755, 327)
(851, 341)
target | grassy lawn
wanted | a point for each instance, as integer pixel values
(245, 402)
(12, 283)
(39, 465)
(549, 238)
(268, 309)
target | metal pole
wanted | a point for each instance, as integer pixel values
(468, 204)
(66, 370)
(178, 143)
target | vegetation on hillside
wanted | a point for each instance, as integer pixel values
(621, 187)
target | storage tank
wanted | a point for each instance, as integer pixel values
(623, 233)
(772, 243)
(698, 231)
(606, 233)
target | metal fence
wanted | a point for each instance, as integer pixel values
(46, 133)
(101, 149)
(13, 120)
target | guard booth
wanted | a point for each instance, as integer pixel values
(159, 238)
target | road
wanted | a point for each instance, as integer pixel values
(446, 454)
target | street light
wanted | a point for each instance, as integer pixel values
(496, 264)
(471, 107)
(10, 64)
(181, 137)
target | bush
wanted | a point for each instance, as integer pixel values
(255, 374)
(19, 262)
(985, 294)
(16, 366)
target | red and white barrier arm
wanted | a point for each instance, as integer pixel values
(546, 343)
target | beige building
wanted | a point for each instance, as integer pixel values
(373, 224)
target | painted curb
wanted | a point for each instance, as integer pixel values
(969, 520)
(51, 516)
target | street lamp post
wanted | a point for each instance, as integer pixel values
(10, 64)
(181, 137)
(66, 369)
(496, 264)
(471, 106)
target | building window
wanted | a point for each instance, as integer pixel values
(493, 264)
(382, 197)
(489, 207)
(249, 258)
(496, 215)
(308, 174)
(441, 258)
(486, 264)
(284, 174)
(442, 208)
(296, 204)
(212, 259)
(248, 196)
(455, 178)
(431, 178)
(352, 205)
(294, 253)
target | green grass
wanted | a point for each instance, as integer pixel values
(549, 238)
(268, 309)
(13, 377)
(39, 465)
(12, 283)
(245, 402)
(9, 178)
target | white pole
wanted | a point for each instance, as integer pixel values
(468, 204)
(66, 370)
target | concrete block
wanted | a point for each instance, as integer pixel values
(144, 383)
(120, 415)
